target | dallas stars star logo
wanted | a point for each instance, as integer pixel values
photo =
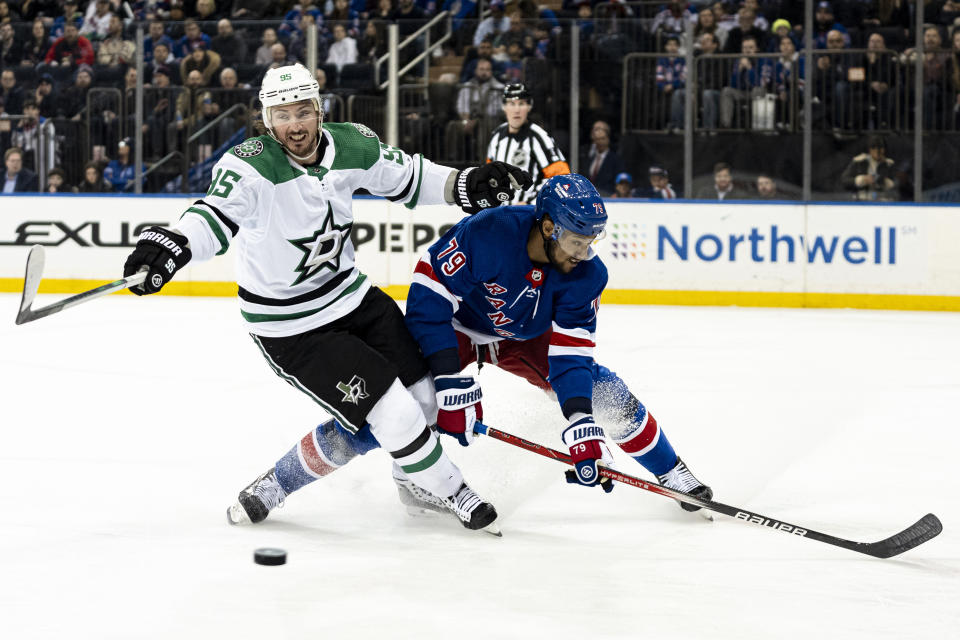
(322, 249)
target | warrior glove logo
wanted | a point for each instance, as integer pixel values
(353, 391)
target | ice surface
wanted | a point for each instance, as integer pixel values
(130, 424)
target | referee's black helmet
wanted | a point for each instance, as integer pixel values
(516, 91)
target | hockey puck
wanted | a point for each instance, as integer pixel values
(270, 557)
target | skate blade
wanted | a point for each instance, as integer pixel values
(706, 515)
(493, 530)
(236, 514)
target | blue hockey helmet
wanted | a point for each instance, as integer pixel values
(576, 209)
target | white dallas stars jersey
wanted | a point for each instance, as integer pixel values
(291, 224)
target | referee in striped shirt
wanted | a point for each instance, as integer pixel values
(523, 144)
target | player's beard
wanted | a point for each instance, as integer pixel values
(305, 147)
(551, 247)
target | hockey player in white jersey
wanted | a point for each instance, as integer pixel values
(285, 200)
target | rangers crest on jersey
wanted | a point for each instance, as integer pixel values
(353, 391)
(322, 249)
(248, 149)
(364, 130)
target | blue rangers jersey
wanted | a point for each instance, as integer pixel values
(478, 279)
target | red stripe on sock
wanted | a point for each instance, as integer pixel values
(643, 439)
(312, 457)
(563, 340)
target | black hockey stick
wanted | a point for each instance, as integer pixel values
(924, 529)
(31, 284)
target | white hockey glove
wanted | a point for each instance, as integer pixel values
(587, 450)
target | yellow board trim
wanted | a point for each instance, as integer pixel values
(610, 296)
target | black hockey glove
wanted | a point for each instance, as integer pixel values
(163, 252)
(489, 185)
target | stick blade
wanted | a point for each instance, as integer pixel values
(31, 283)
(926, 528)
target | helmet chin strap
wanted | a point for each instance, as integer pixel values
(291, 153)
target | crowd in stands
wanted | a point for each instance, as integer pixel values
(202, 58)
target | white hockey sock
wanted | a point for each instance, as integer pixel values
(397, 423)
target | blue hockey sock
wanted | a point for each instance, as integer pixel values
(321, 452)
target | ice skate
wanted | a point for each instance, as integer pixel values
(257, 500)
(680, 479)
(418, 500)
(472, 511)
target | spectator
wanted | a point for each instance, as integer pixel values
(11, 96)
(157, 113)
(206, 62)
(71, 49)
(759, 21)
(192, 38)
(889, 13)
(297, 46)
(955, 76)
(871, 175)
(949, 12)
(292, 20)
(711, 79)
(750, 79)
(194, 107)
(17, 179)
(344, 14)
(264, 54)
(493, 25)
(70, 14)
(781, 29)
(725, 19)
(74, 101)
(96, 23)
(602, 163)
(35, 47)
(207, 11)
(824, 23)
(788, 82)
(10, 49)
(162, 57)
(673, 19)
(156, 36)
(478, 105)
(722, 187)
(512, 69)
(706, 23)
(766, 187)
(660, 187)
(228, 44)
(831, 80)
(344, 48)
(516, 32)
(46, 96)
(327, 99)
(745, 29)
(671, 79)
(410, 17)
(279, 57)
(250, 9)
(233, 93)
(120, 172)
(93, 181)
(114, 50)
(935, 61)
(57, 181)
(370, 42)
(624, 187)
(875, 93)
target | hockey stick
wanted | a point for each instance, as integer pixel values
(924, 529)
(31, 284)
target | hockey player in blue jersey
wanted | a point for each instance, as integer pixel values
(519, 287)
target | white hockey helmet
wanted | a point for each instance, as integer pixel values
(286, 85)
